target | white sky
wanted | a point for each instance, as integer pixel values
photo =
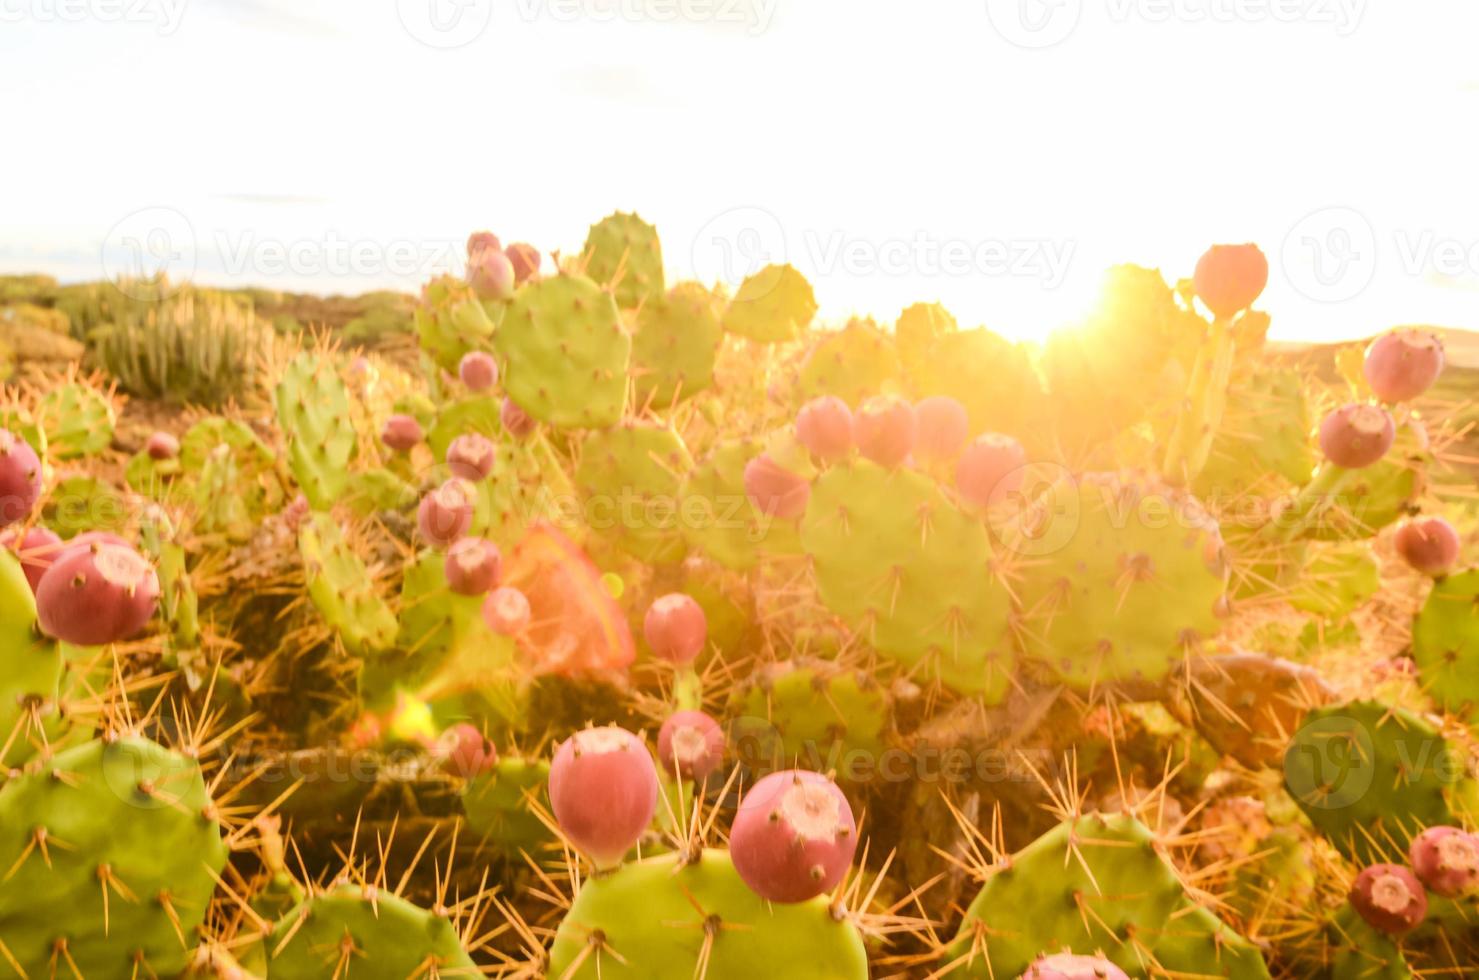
(1341, 135)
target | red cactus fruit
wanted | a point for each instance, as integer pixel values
(884, 429)
(516, 421)
(1068, 966)
(824, 427)
(472, 565)
(96, 593)
(793, 837)
(491, 275)
(991, 469)
(162, 445)
(1403, 364)
(401, 433)
(445, 513)
(676, 628)
(1446, 860)
(482, 241)
(1428, 544)
(20, 478)
(471, 456)
(525, 258)
(294, 513)
(603, 788)
(690, 745)
(775, 490)
(941, 427)
(466, 752)
(1357, 435)
(36, 549)
(506, 611)
(478, 370)
(1389, 897)
(1229, 278)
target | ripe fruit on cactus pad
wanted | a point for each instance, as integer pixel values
(824, 427)
(482, 241)
(690, 745)
(401, 433)
(1428, 544)
(445, 514)
(525, 259)
(478, 370)
(95, 594)
(603, 788)
(884, 428)
(516, 421)
(1446, 860)
(775, 490)
(941, 427)
(1390, 898)
(1068, 966)
(162, 445)
(1403, 364)
(991, 469)
(506, 611)
(1229, 278)
(793, 837)
(36, 549)
(465, 751)
(472, 566)
(675, 628)
(1356, 435)
(471, 456)
(20, 478)
(491, 275)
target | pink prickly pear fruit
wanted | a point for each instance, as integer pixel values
(35, 548)
(1403, 364)
(478, 370)
(96, 593)
(690, 745)
(491, 275)
(1068, 966)
(1357, 435)
(1229, 278)
(472, 566)
(603, 788)
(516, 421)
(162, 446)
(775, 490)
(793, 837)
(941, 427)
(20, 478)
(1389, 897)
(445, 513)
(294, 513)
(676, 628)
(1428, 544)
(991, 469)
(824, 427)
(482, 241)
(471, 456)
(401, 433)
(1446, 860)
(525, 258)
(466, 752)
(506, 611)
(884, 429)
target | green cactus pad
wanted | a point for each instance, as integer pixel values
(773, 305)
(644, 924)
(1264, 440)
(131, 842)
(30, 667)
(912, 573)
(1445, 642)
(1359, 952)
(994, 380)
(365, 933)
(674, 346)
(630, 476)
(1372, 776)
(1378, 495)
(566, 352)
(497, 804)
(451, 321)
(854, 363)
(1122, 574)
(313, 411)
(623, 251)
(78, 420)
(718, 518)
(341, 588)
(917, 330)
(1336, 579)
(825, 715)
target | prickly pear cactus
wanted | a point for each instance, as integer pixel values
(498, 808)
(342, 589)
(623, 252)
(630, 476)
(674, 346)
(567, 354)
(363, 931)
(313, 410)
(78, 420)
(718, 518)
(853, 363)
(111, 847)
(773, 305)
(1263, 444)
(452, 321)
(1445, 642)
(813, 710)
(30, 668)
(660, 919)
